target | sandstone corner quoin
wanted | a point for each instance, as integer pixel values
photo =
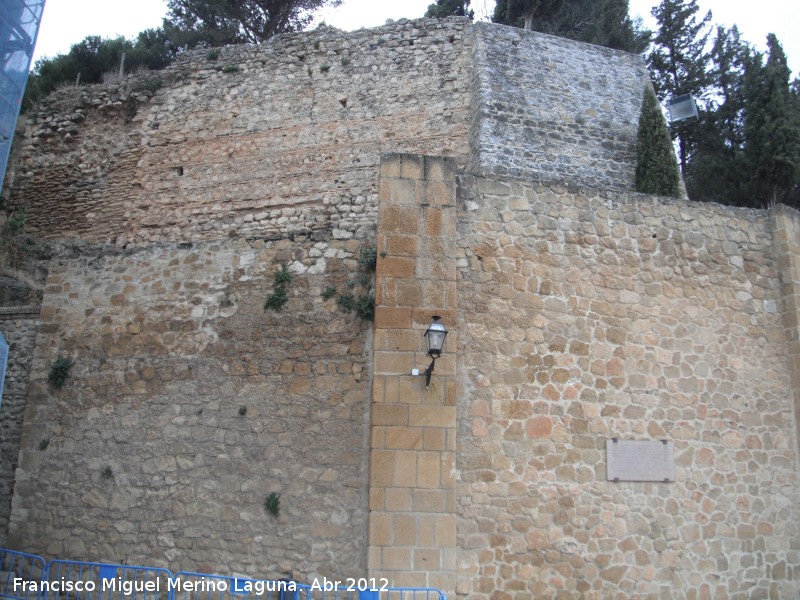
(491, 169)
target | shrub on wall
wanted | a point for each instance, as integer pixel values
(656, 165)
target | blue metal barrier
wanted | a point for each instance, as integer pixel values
(76, 580)
(28, 577)
(19, 571)
(412, 594)
(349, 590)
(202, 586)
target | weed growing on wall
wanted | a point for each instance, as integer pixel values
(368, 258)
(279, 297)
(272, 504)
(59, 372)
(362, 304)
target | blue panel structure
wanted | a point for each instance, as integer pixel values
(19, 26)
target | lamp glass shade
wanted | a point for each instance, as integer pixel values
(682, 108)
(435, 335)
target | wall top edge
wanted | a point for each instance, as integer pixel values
(469, 179)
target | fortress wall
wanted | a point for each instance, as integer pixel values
(264, 140)
(18, 324)
(587, 316)
(149, 459)
(583, 312)
(554, 109)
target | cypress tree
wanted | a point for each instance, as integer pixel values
(679, 61)
(656, 167)
(772, 127)
(717, 171)
(601, 22)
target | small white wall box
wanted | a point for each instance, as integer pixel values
(683, 108)
(415, 372)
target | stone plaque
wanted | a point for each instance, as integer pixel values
(630, 460)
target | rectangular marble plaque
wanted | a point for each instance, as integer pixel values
(633, 460)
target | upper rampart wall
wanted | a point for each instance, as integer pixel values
(263, 140)
(554, 109)
(285, 137)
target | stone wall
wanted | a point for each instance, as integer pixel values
(267, 140)
(412, 520)
(587, 316)
(189, 403)
(554, 109)
(18, 324)
(579, 311)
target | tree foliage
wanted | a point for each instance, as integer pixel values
(448, 8)
(189, 23)
(679, 61)
(771, 127)
(601, 22)
(220, 22)
(91, 59)
(717, 167)
(745, 148)
(656, 167)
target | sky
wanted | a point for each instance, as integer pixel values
(66, 22)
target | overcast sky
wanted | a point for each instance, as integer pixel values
(66, 22)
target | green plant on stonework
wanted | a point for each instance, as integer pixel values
(346, 302)
(362, 304)
(15, 246)
(212, 54)
(279, 297)
(365, 307)
(368, 258)
(282, 276)
(59, 372)
(656, 165)
(44, 443)
(276, 300)
(107, 472)
(272, 504)
(15, 223)
(329, 292)
(242, 411)
(230, 69)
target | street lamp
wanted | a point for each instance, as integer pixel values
(682, 108)
(434, 335)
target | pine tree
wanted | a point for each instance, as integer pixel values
(600, 22)
(656, 167)
(511, 12)
(772, 127)
(716, 171)
(219, 22)
(679, 60)
(448, 8)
